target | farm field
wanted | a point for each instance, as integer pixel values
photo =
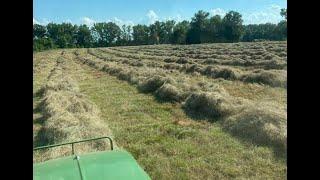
(207, 111)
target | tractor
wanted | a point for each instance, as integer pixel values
(101, 165)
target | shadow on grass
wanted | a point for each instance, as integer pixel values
(40, 139)
(39, 93)
(162, 101)
(279, 151)
(199, 117)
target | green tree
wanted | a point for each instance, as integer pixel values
(259, 32)
(125, 35)
(283, 13)
(39, 31)
(168, 27)
(198, 25)
(140, 34)
(156, 32)
(106, 33)
(113, 32)
(63, 35)
(43, 43)
(84, 37)
(180, 32)
(215, 29)
(232, 26)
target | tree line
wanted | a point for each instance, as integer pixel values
(201, 29)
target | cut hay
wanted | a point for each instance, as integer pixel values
(214, 104)
(168, 92)
(182, 61)
(70, 116)
(272, 78)
(219, 72)
(153, 83)
(169, 60)
(262, 123)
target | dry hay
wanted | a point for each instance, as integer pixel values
(168, 92)
(221, 72)
(215, 104)
(274, 78)
(182, 61)
(171, 66)
(69, 117)
(192, 68)
(169, 60)
(153, 83)
(262, 123)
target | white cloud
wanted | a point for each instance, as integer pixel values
(218, 11)
(67, 21)
(44, 21)
(87, 21)
(121, 22)
(35, 21)
(176, 18)
(152, 16)
(270, 14)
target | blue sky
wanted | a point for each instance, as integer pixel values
(147, 11)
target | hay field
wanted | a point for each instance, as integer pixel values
(209, 111)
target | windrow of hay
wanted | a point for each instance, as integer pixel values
(153, 83)
(263, 123)
(218, 72)
(168, 92)
(214, 71)
(215, 104)
(274, 78)
(70, 116)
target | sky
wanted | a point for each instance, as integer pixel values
(132, 12)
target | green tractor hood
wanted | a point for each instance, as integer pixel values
(104, 165)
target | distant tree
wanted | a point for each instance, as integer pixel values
(232, 26)
(43, 43)
(84, 37)
(180, 32)
(125, 35)
(63, 35)
(283, 13)
(113, 32)
(214, 29)
(168, 27)
(140, 34)
(198, 25)
(259, 31)
(99, 34)
(39, 31)
(201, 29)
(280, 32)
(156, 32)
(106, 33)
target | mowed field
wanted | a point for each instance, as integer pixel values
(209, 111)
